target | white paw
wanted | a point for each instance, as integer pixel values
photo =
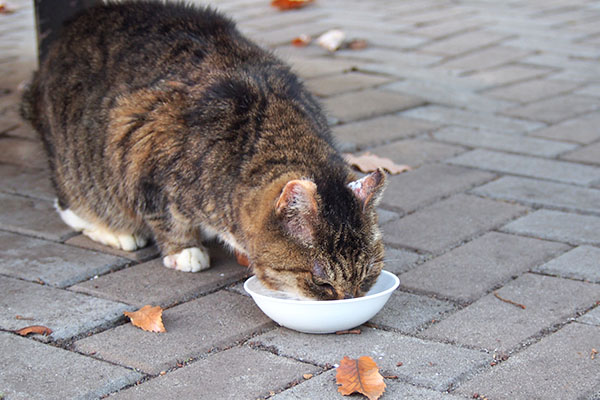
(192, 259)
(73, 220)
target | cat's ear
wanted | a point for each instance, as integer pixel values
(297, 209)
(369, 189)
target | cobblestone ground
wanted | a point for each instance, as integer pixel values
(495, 105)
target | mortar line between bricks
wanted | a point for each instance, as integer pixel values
(535, 206)
(493, 171)
(470, 52)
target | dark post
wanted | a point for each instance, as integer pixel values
(50, 15)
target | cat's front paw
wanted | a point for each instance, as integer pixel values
(192, 259)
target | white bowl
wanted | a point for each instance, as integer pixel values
(313, 316)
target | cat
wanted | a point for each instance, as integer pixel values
(162, 121)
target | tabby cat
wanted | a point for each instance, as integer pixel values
(161, 121)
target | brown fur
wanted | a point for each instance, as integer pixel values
(163, 120)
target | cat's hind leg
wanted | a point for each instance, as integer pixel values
(100, 233)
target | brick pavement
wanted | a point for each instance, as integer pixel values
(496, 105)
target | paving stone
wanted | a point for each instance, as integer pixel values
(326, 387)
(435, 92)
(410, 59)
(336, 84)
(537, 193)
(386, 216)
(32, 370)
(560, 226)
(409, 313)
(561, 171)
(590, 90)
(557, 367)
(53, 263)
(508, 74)
(408, 192)
(591, 317)
(415, 152)
(502, 142)
(485, 58)
(398, 261)
(448, 28)
(251, 374)
(26, 153)
(463, 43)
(492, 324)
(583, 129)
(68, 314)
(532, 90)
(26, 182)
(151, 282)
(588, 154)
(315, 67)
(556, 109)
(195, 328)
(449, 222)
(477, 120)
(380, 130)
(472, 270)
(434, 365)
(144, 254)
(579, 263)
(367, 104)
(34, 217)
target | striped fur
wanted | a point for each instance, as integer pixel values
(164, 121)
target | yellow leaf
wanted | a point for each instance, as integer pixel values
(148, 318)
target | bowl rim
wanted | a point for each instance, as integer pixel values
(321, 302)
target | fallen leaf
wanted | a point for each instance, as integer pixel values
(302, 40)
(22, 318)
(360, 376)
(307, 376)
(39, 329)
(242, 259)
(357, 44)
(368, 162)
(331, 40)
(290, 4)
(5, 9)
(349, 332)
(148, 318)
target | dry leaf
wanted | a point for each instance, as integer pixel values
(302, 40)
(242, 259)
(357, 44)
(290, 4)
(39, 329)
(148, 318)
(368, 162)
(5, 9)
(361, 376)
(331, 40)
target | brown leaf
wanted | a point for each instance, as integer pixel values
(368, 162)
(148, 318)
(242, 259)
(5, 9)
(358, 44)
(290, 4)
(39, 329)
(361, 376)
(302, 40)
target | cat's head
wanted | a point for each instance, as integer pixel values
(322, 240)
